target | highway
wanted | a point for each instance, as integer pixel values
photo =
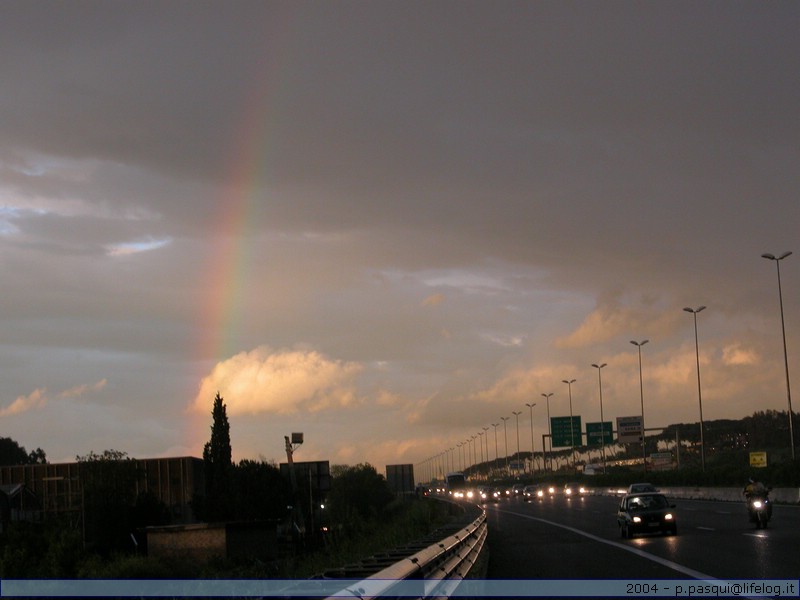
(568, 538)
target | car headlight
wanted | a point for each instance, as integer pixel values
(470, 494)
(757, 504)
(540, 493)
(582, 490)
(637, 519)
(668, 517)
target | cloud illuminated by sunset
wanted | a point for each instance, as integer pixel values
(267, 381)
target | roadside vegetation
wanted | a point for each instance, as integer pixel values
(55, 549)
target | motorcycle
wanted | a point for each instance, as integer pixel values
(760, 509)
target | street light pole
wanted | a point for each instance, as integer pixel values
(517, 414)
(533, 446)
(602, 423)
(778, 260)
(641, 397)
(694, 312)
(471, 441)
(505, 434)
(549, 431)
(571, 427)
(496, 454)
(486, 439)
(480, 443)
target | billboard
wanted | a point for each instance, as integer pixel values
(317, 474)
(661, 461)
(400, 478)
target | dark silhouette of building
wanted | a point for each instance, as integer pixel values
(57, 487)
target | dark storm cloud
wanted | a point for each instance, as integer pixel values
(552, 173)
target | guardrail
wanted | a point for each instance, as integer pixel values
(435, 569)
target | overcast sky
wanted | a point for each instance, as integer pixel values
(389, 224)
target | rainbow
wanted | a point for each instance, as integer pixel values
(234, 229)
(231, 252)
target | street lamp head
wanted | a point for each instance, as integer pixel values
(598, 366)
(642, 343)
(516, 413)
(529, 405)
(570, 382)
(547, 395)
(694, 310)
(773, 257)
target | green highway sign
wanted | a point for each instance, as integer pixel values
(594, 430)
(564, 434)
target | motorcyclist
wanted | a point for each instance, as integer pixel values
(756, 489)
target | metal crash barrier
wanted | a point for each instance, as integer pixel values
(434, 570)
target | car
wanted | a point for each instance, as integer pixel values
(637, 488)
(647, 512)
(532, 492)
(516, 489)
(574, 489)
(550, 489)
(468, 494)
(489, 494)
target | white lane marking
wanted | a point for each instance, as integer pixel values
(657, 559)
(756, 535)
(706, 528)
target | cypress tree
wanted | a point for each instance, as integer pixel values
(217, 465)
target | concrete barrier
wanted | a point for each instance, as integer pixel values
(729, 494)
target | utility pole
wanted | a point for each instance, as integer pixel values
(291, 445)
